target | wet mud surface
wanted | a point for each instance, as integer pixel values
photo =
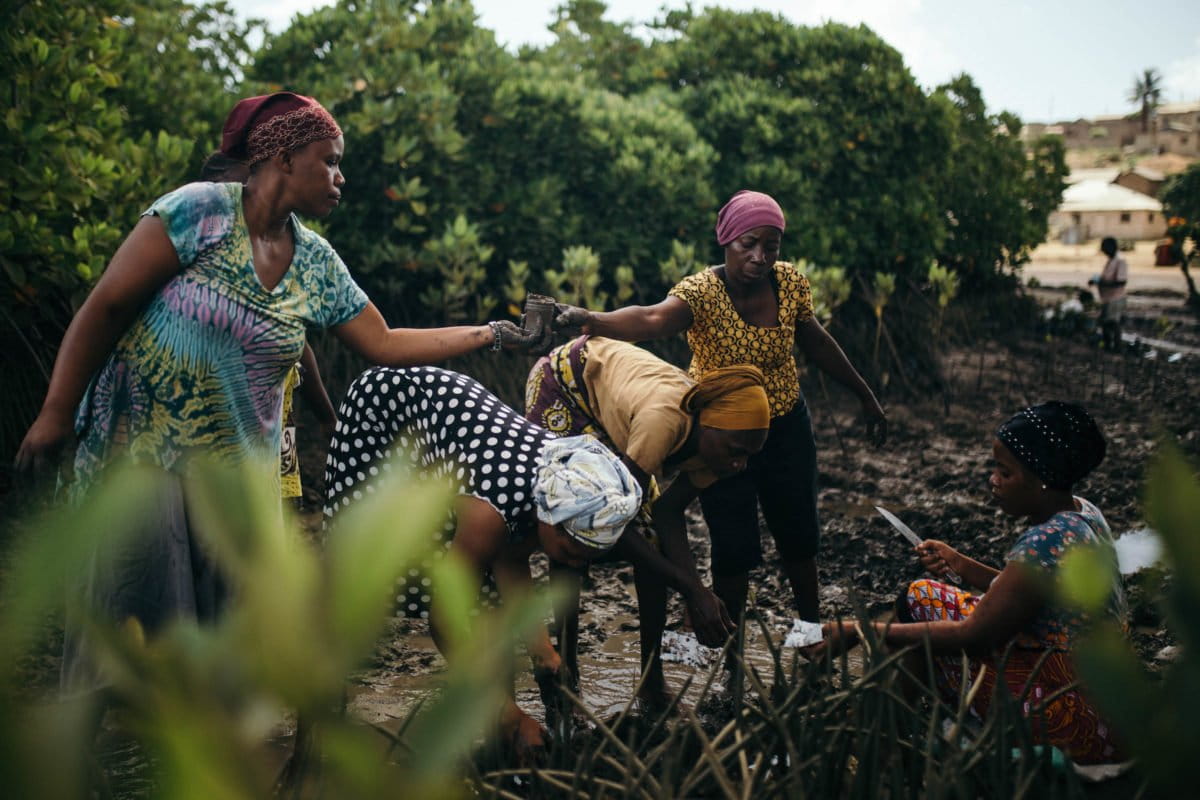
(932, 472)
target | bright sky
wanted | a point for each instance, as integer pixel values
(1047, 60)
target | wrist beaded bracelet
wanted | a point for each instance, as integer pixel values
(495, 326)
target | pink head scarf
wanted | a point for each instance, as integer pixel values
(746, 211)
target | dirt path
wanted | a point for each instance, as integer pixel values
(1057, 264)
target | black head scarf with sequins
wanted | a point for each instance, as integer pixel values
(1058, 442)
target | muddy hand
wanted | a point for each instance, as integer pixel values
(839, 636)
(528, 740)
(877, 426)
(571, 320)
(710, 619)
(512, 337)
(43, 445)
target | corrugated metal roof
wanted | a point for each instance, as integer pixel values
(1100, 195)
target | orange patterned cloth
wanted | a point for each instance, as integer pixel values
(1069, 721)
(719, 337)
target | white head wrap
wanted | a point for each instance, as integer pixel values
(583, 486)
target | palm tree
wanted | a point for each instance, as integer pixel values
(1147, 88)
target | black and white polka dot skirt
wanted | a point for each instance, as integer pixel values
(442, 424)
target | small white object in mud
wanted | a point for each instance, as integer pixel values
(1169, 653)
(685, 648)
(803, 634)
(1137, 550)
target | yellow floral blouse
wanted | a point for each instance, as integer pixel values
(719, 337)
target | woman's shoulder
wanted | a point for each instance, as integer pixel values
(201, 199)
(788, 272)
(704, 280)
(1050, 539)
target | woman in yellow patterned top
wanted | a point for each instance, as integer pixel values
(752, 310)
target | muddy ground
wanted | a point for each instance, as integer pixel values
(932, 472)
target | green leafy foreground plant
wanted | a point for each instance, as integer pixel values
(204, 700)
(1156, 714)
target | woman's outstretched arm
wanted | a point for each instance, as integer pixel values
(369, 336)
(630, 324)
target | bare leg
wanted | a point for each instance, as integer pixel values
(652, 619)
(732, 589)
(566, 619)
(802, 574)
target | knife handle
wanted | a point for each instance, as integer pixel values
(953, 577)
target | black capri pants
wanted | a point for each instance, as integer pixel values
(782, 477)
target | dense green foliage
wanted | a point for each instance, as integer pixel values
(619, 139)
(90, 136)
(997, 198)
(204, 702)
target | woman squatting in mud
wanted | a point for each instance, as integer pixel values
(1015, 630)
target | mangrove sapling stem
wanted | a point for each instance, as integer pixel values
(620, 769)
(710, 763)
(777, 722)
(896, 356)
(743, 763)
(837, 430)
(505, 794)
(548, 775)
(609, 736)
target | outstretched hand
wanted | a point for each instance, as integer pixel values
(571, 319)
(514, 337)
(710, 618)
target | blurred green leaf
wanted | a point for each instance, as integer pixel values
(1085, 578)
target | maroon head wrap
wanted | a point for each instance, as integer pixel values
(746, 211)
(259, 127)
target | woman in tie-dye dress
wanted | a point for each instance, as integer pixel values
(183, 347)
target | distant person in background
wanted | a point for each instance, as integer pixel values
(1111, 285)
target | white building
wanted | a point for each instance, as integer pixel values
(1095, 207)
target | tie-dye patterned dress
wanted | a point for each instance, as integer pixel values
(200, 371)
